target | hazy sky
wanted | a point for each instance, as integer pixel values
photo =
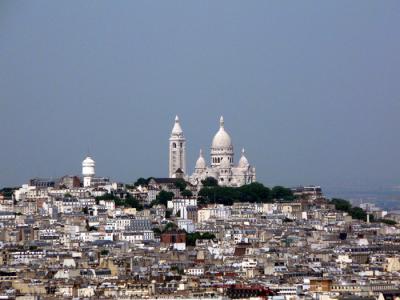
(311, 89)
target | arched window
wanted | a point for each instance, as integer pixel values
(181, 145)
(173, 145)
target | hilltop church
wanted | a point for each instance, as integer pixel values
(222, 166)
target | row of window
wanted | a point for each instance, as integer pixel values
(217, 160)
(174, 145)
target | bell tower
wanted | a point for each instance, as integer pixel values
(177, 150)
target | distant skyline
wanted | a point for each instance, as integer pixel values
(310, 89)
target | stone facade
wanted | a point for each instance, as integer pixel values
(222, 166)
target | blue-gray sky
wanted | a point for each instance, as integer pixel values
(311, 89)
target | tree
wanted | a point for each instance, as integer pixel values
(341, 204)
(163, 197)
(387, 221)
(156, 231)
(355, 212)
(141, 181)
(191, 238)
(8, 192)
(280, 192)
(180, 184)
(131, 201)
(209, 181)
(168, 213)
(106, 196)
(255, 192)
(187, 193)
(358, 213)
(170, 227)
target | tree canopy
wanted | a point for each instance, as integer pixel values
(186, 193)
(142, 181)
(253, 192)
(7, 192)
(128, 201)
(209, 181)
(191, 238)
(355, 212)
(163, 197)
(180, 184)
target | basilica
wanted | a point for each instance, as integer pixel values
(222, 165)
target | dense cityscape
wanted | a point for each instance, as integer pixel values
(215, 234)
(199, 150)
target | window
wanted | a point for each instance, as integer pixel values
(173, 145)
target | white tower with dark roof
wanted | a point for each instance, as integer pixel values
(177, 150)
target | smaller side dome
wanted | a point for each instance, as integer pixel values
(243, 162)
(201, 162)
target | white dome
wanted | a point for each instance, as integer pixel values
(243, 162)
(88, 169)
(221, 138)
(201, 162)
(225, 164)
(88, 162)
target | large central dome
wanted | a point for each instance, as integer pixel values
(221, 140)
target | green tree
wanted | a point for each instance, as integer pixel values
(280, 192)
(341, 204)
(209, 181)
(355, 212)
(168, 213)
(191, 238)
(187, 193)
(255, 192)
(156, 231)
(131, 201)
(163, 197)
(387, 221)
(180, 184)
(141, 181)
(107, 196)
(170, 227)
(8, 192)
(358, 213)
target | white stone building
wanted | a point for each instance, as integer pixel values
(177, 150)
(88, 171)
(222, 165)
